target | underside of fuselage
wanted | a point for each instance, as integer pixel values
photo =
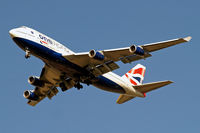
(57, 61)
(50, 57)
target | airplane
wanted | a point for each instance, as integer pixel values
(66, 69)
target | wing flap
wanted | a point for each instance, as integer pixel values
(52, 92)
(144, 88)
(124, 98)
(34, 102)
(131, 58)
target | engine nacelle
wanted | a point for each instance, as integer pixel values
(28, 94)
(136, 50)
(96, 55)
(35, 81)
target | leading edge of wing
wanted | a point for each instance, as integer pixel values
(82, 59)
(164, 44)
(174, 41)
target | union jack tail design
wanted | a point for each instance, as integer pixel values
(136, 75)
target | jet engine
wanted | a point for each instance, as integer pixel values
(35, 81)
(136, 50)
(96, 55)
(29, 94)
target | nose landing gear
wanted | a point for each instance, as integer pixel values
(27, 55)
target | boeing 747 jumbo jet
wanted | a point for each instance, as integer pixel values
(66, 69)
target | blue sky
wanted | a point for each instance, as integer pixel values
(89, 24)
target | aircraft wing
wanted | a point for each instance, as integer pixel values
(51, 79)
(100, 67)
(160, 45)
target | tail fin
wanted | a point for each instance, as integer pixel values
(136, 75)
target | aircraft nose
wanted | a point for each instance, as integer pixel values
(12, 33)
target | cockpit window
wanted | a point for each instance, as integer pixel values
(32, 32)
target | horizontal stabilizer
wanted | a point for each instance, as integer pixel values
(124, 98)
(144, 88)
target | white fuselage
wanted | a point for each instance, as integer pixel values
(51, 52)
(35, 36)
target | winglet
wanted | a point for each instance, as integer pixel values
(187, 39)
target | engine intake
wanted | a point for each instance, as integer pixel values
(28, 94)
(35, 81)
(96, 55)
(136, 50)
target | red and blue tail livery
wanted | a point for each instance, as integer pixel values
(136, 75)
